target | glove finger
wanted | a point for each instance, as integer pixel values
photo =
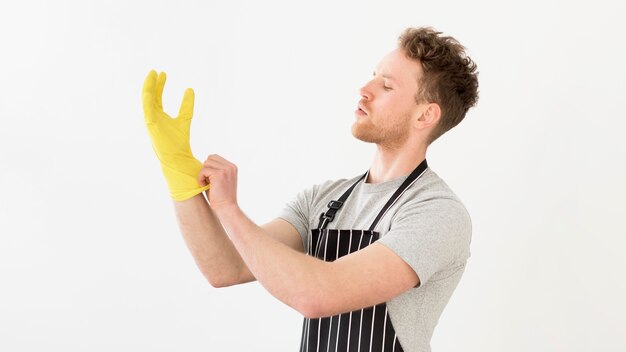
(158, 94)
(186, 108)
(148, 96)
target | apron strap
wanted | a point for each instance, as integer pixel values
(335, 205)
(416, 174)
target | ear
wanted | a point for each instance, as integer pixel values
(430, 116)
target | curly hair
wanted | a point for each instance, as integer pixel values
(450, 77)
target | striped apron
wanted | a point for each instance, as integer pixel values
(368, 329)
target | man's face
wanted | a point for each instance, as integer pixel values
(387, 103)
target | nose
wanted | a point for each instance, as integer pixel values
(365, 92)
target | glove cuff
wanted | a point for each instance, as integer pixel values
(182, 181)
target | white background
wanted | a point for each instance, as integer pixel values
(90, 254)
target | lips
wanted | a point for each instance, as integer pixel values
(361, 109)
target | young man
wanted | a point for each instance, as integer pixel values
(370, 261)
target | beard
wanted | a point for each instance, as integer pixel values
(391, 133)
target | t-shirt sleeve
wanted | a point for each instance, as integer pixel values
(297, 212)
(432, 236)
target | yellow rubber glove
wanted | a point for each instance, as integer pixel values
(170, 138)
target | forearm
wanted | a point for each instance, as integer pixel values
(214, 253)
(291, 276)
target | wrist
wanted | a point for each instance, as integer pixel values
(226, 210)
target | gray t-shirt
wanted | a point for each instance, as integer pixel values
(428, 227)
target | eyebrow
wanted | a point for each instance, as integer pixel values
(384, 76)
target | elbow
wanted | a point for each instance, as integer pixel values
(312, 306)
(309, 310)
(318, 298)
(218, 284)
(224, 276)
(218, 281)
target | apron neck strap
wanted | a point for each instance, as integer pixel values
(417, 172)
(335, 205)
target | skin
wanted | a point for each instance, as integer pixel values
(230, 249)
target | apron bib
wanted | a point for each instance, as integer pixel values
(368, 329)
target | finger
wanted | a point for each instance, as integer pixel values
(201, 178)
(186, 108)
(215, 165)
(217, 157)
(158, 94)
(216, 161)
(205, 174)
(202, 181)
(148, 96)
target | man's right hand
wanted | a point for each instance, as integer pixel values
(170, 138)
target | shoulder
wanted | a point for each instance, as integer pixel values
(431, 184)
(431, 198)
(433, 190)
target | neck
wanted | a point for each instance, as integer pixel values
(391, 163)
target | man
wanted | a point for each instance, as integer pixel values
(370, 261)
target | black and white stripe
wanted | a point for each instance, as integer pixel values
(368, 329)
